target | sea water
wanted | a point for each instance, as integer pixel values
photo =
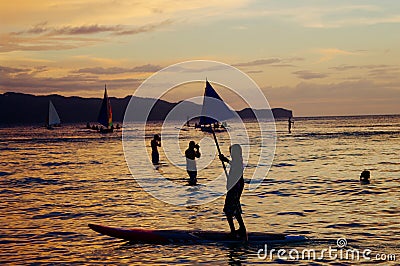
(54, 182)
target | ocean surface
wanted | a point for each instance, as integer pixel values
(54, 182)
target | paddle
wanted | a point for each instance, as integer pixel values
(219, 150)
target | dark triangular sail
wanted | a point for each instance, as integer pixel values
(105, 114)
(214, 109)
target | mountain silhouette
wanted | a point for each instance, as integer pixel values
(20, 108)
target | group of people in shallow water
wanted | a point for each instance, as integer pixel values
(234, 184)
(102, 128)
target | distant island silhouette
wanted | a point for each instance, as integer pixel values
(20, 108)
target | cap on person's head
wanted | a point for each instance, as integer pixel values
(156, 136)
(192, 143)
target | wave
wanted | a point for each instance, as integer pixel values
(58, 215)
(28, 181)
(390, 163)
(344, 225)
(61, 139)
(292, 213)
(9, 149)
(58, 163)
(52, 164)
(282, 165)
(275, 192)
(347, 134)
(5, 173)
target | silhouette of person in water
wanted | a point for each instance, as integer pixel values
(234, 185)
(155, 143)
(365, 176)
(192, 152)
(290, 123)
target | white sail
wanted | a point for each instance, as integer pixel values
(54, 119)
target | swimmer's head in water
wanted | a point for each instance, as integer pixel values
(365, 175)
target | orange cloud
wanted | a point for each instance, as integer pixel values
(330, 53)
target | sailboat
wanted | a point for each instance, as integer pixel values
(213, 111)
(105, 114)
(53, 120)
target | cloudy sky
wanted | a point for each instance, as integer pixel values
(316, 57)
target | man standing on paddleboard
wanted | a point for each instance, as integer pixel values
(192, 152)
(234, 185)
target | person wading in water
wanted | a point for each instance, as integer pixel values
(290, 124)
(192, 152)
(155, 143)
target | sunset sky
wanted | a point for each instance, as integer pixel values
(315, 57)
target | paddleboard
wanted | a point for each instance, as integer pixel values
(190, 237)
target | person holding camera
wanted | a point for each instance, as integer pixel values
(192, 152)
(155, 143)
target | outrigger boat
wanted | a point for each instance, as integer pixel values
(206, 123)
